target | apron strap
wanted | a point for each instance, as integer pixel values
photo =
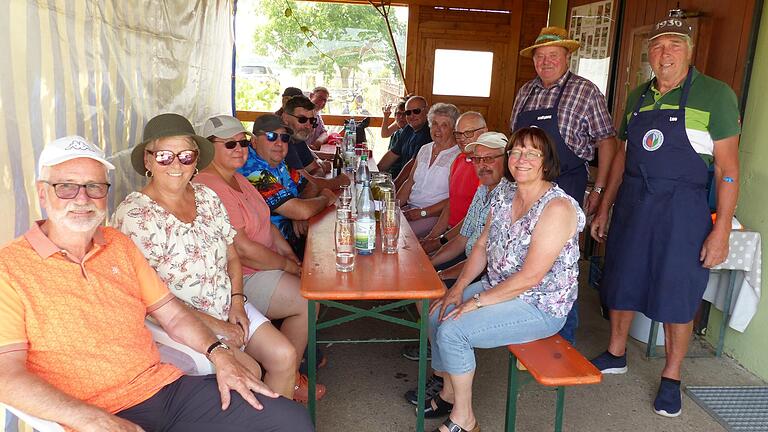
(562, 90)
(686, 88)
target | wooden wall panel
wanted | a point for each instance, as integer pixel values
(727, 48)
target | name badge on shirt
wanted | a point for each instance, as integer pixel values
(544, 117)
(673, 119)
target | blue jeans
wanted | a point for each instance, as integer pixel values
(510, 322)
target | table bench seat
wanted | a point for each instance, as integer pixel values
(551, 362)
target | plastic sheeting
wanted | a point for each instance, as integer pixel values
(101, 69)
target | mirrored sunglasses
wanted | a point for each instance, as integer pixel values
(166, 157)
(272, 136)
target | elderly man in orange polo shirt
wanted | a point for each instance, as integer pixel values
(73, 345)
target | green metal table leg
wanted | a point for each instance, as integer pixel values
(422, 384)
(512, 388)
(726, 312)
(559, 409)
(311, 358)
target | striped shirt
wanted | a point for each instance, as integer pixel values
(583, 117)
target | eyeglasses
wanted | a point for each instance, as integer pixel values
(70, 190)
(166, 157)
(477, 160)
(415, 111)
(466, 133)
(232, 144)
(302, 119)
(528, 155)
(399, 114)
(272, 136)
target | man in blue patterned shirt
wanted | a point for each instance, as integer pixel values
(291, 199)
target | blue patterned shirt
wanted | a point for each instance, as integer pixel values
(276, 185)
(474, 221)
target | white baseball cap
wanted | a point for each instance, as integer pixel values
(494, 140)
(223, 126)
(68, 148)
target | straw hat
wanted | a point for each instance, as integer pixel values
(552, 36)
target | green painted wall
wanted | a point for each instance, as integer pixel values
(751, 347)
(558, 12)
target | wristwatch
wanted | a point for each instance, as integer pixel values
(423, 213)
(476, 297)
(215, 346)
(443, 240)
(598, 189)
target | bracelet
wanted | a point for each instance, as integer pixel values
(245, 297)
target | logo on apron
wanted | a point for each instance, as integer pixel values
(653, 140)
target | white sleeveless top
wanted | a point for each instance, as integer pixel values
(430, 182)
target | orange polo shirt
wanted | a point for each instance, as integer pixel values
(82, 323)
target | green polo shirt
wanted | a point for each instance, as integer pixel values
(711, 114)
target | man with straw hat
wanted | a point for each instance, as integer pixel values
(574, 113)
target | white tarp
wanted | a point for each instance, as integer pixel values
(101, 69)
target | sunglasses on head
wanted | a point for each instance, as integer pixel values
(273, 136)
(416, 111)
(232, 144)
(166, 157)
(302, 119)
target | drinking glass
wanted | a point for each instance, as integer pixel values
(345, 197)
(345, 245)
(390, 226)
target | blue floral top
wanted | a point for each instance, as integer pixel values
(508, 243)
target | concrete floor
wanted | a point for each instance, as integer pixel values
(366, 383)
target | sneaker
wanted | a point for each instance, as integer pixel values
(434, 385)
(668, 401)
(301, 389)
(411, 352)
(608, 363)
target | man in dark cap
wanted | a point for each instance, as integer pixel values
(678, 127)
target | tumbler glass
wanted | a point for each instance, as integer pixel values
(345, 245)
(390, 226)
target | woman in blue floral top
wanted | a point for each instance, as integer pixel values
(530, 248)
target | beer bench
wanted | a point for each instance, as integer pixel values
(552, 362)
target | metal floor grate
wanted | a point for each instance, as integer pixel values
(738, 409)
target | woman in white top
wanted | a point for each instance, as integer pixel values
(425, 193)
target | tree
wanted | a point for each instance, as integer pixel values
(333, 38)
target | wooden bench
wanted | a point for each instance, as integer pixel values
(551, 362)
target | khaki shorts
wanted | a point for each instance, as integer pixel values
(260, 286)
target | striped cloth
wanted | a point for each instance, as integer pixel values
(583, 117)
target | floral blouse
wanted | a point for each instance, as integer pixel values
(508, 243)
(191, 258)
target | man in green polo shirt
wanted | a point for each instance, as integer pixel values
(662, 241)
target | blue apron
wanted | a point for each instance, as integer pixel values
(660, 220)
(573, 169)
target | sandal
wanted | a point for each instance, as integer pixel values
(453, 427)
(441, 408)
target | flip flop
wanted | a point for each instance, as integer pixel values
(453, 427)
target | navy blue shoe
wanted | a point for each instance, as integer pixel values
(668, 401)
(608, 363)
